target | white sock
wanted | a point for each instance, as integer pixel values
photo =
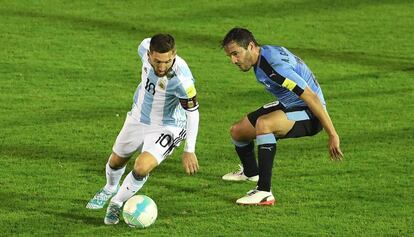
(128, 188)
(113, 177)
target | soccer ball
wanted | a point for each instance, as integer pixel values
(140, 211)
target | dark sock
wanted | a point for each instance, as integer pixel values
(118, 168)
(248, 159)
(266, 154)
(137, 176)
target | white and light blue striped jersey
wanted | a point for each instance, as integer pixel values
(157, 99)
(285, 76)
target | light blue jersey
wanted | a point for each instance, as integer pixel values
(157, 99)
(285, 76)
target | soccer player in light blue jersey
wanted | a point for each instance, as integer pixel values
(300, 110)
(164, 112)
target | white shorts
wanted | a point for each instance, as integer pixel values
(159, 141)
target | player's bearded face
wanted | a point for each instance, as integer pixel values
(239, 56)
(161, 62)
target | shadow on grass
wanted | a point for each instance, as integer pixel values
(381, 61)
(282, 10)
(43, 207)
(88, 24)
(206, 39)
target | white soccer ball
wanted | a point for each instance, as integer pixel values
(140, 211)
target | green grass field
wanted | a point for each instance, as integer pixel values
(68, 71)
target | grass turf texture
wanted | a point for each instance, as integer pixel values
(69, 70)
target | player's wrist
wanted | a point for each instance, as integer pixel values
(332, 134)
(189, 146)
(189, 150)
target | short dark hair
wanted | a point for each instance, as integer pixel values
(162, 43)
(239, 35)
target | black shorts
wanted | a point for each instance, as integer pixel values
(306, 124)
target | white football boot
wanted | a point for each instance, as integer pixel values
(113, 212)
(239, 176)
(257, 197)
(101, 197)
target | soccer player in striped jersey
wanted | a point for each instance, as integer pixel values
(164, 112)
(300, 110)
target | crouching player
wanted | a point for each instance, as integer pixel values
(299, 111)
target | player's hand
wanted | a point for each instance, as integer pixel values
(190, 162)
(334, 149)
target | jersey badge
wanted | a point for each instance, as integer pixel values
(162, 83)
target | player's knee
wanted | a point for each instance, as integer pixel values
(235, 131)
(117, 162)
(141, 168)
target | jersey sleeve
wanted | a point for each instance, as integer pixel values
(284, 75)
(291, 80)
(187, 95)
(143, 47)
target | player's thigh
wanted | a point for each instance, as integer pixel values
(130, 138)
(265, 109)
(243, 130)
(275, 122)
(161, 141)
(306, 124)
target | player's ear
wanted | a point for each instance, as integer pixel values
(251, 45)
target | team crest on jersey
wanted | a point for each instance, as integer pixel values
(162, 83)
(146, 70)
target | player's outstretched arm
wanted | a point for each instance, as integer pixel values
(313, 102)
(189, 158)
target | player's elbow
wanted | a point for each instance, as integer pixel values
(308, 95)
